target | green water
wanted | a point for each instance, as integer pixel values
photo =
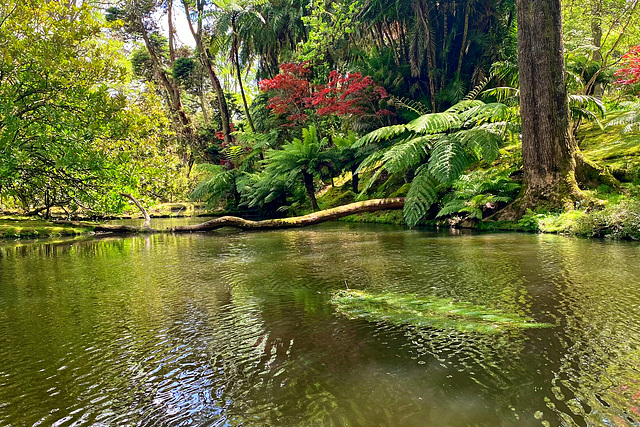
(236, 329)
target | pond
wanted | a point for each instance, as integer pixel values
(237, 329)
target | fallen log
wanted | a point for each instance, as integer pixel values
(298, 221)
(245, 224)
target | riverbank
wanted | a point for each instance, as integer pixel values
(19, 228)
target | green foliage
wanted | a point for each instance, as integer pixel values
(620, 221)
(438, 148)
(630, 118)
(429, 312)
(478, 191)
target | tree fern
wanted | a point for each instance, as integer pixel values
(422, 194)
(448, 159)
(439, 147)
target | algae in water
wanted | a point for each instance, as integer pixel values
(441, 313)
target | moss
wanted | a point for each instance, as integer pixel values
(440, 313)
(620, 153)
(619, 220)
(381, 217)
(336, 196)
(27, 228)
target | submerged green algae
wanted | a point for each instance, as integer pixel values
(441, 313)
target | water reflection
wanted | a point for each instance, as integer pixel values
(232, 328)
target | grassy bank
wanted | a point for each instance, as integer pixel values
(11, 228)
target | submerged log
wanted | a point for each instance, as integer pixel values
(298, 221)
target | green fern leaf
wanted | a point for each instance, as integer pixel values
(448, 159)
(422, 194)
(408, 154)
(483, 142)
(384, 133)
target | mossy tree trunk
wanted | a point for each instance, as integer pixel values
(548, 147)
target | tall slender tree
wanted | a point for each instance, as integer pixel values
(207, 62)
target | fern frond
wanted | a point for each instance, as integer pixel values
(384, 133)
(451, 207)
(448, 160)
(409, 104)
(502, 93)
(473, 94)
(483, 142)
(408, 154)
(422, 194)
(435, 123)
(587, 102)
(493, 112)
(373, 161)
(625, 118)
(464, 105)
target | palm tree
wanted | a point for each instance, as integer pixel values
(303, 159)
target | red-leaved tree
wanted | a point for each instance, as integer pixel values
(290, 91)
(345, 96)
(351, 94)
(629, 72)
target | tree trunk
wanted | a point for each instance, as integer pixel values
(147, 218)
(307, 178)
(596, 35)
(206, 63)
(172, 44)
(548, 147)
(236, 60)
(269, 224)
(465, 32)
(355, 179)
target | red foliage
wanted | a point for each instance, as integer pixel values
(220, 134)
(342, 95)
(630, 71)
(290, 90)
(351, 94)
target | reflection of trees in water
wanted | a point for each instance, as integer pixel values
(593, 356)
(237, 327)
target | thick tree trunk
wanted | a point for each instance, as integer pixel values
(548, 148)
